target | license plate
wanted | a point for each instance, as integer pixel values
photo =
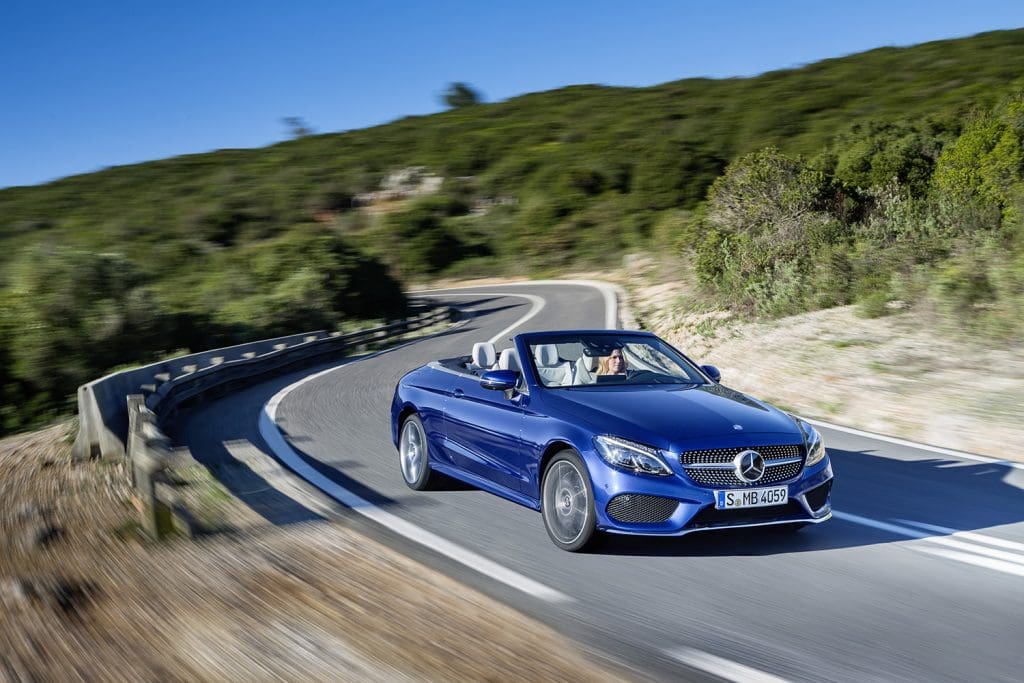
(751, 498)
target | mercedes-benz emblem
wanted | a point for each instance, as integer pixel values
(749, 466)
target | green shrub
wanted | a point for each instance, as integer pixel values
(873, 304)
(419, 239)
(71, 314)
(766, 227)
(877, 153)
(986, 163)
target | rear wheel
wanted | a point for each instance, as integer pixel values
(413, 455)
(567, 502)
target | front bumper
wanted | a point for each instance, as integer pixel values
(626, 503)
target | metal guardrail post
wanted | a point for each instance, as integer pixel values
(147, 463)
(135, 403)
(157, 520)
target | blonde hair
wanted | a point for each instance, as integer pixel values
(602, 364)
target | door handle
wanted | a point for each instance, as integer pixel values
(458, 393)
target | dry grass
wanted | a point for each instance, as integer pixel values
(904, 375)
(84, 597)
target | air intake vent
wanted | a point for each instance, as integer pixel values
(635, 508)
(817, 496)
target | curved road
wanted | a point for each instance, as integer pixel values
(920, 575)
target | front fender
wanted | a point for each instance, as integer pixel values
(544, 435)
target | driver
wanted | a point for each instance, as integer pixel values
(612, 364)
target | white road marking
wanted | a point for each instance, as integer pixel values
(967, 558)
(878, 524)
(968, 535)
(536, 307)
(979, 550)
(962, 549)
(277, 443)
(721, 667)
(611, 306)
(919, 446)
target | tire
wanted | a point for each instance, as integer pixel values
(567, 502)
(413, 455)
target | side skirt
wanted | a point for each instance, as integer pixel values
(486, 485)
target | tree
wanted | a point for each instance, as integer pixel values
(297, 126)
(460, 95)
(872, 154)
(674, 173)
(767, 195)
(78, 313)
(986, 163)
(424, 243)
(769, 235)
(300, 281)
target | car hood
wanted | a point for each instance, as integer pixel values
(671, 416)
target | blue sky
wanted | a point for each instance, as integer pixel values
(87, 85)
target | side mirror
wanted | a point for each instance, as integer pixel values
(499, 380)
(712, 372)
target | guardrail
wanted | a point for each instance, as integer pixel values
(115, 419)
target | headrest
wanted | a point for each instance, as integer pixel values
(483, 354)
(509, 360)
(587, 362)
(546, 355)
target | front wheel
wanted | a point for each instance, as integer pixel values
(567, 502)
(413, 455)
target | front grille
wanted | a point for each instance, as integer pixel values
(720, 455)
(817, 496)
(710, 517)
(773, 474)
(635, 508)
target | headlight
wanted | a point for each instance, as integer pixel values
(815, 444)
(630, 455)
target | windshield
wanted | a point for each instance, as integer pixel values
(588, 360)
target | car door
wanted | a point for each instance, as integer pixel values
(432, 396)
(484, 433)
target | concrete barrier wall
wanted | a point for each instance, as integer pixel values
(168, 384)
(102, 411)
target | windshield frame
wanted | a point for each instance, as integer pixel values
(618, 338)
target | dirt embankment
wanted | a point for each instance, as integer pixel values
(902, 375)
(84, 597)
(906, 375)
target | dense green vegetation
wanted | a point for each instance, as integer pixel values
(884, 177)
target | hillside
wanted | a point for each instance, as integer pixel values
(890, 177)
(508, 144)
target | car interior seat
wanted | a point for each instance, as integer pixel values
(509, 360)
(483, 357)
(552, 370)
(586, 370)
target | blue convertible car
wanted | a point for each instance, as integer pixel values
(609, 431)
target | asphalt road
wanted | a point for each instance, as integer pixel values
(920, 575)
